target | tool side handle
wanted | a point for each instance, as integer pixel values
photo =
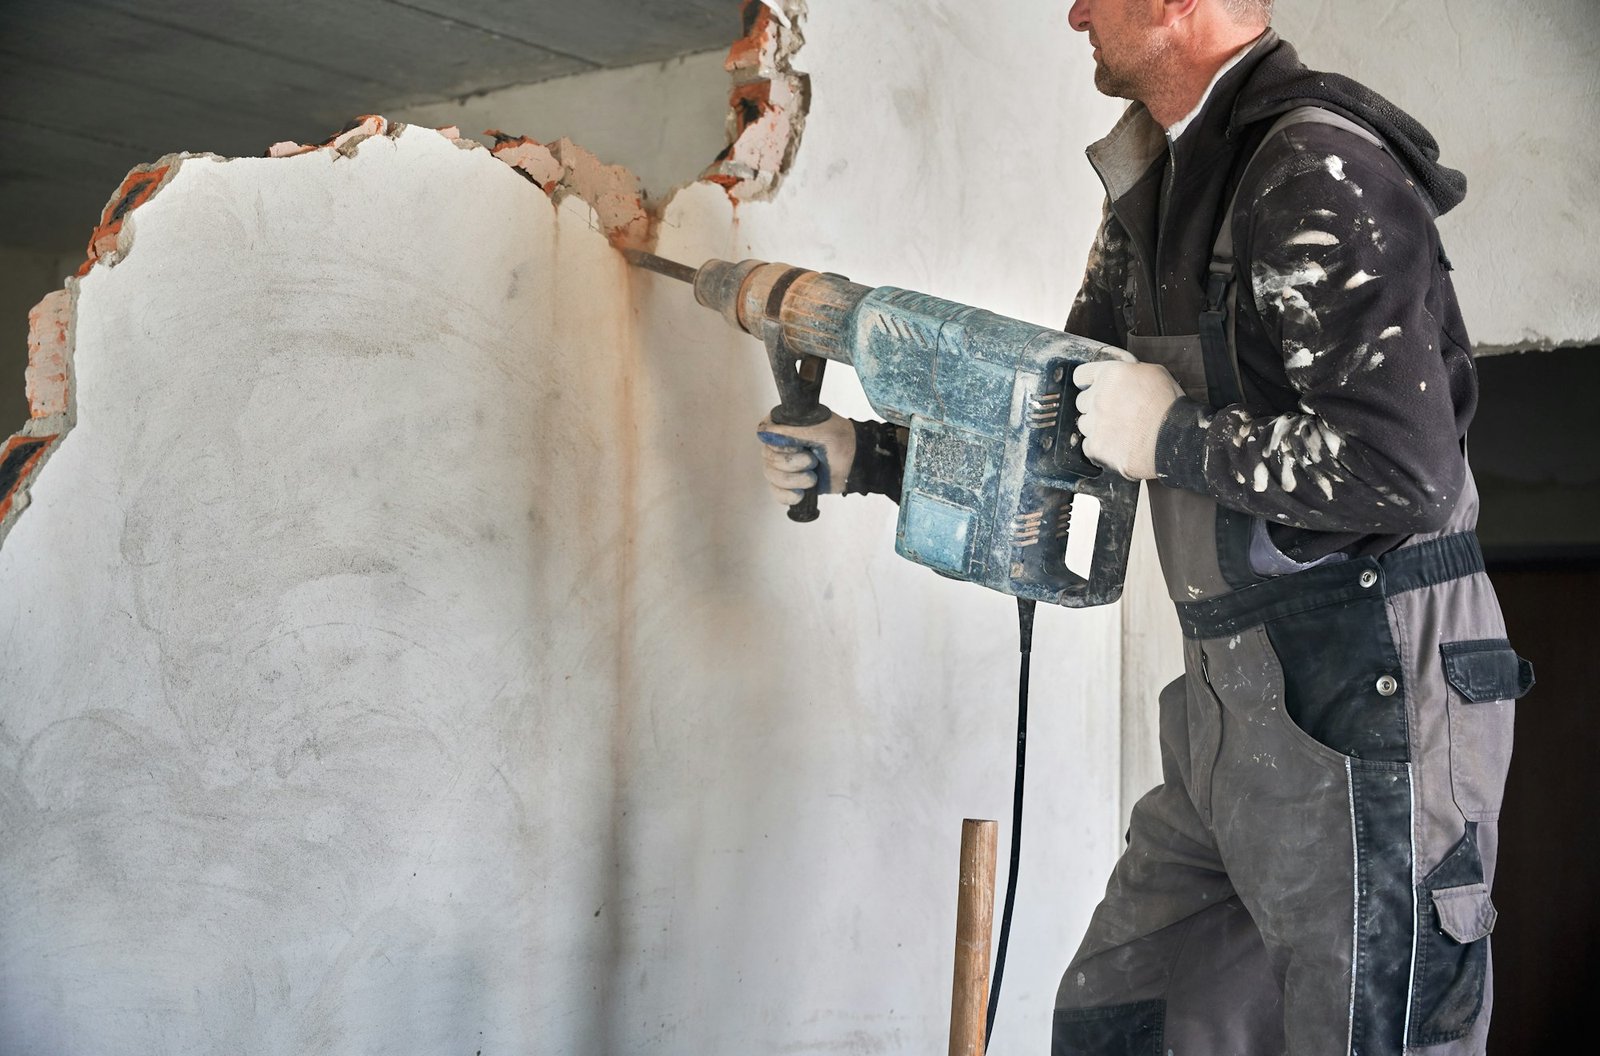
(799, 380)
(806, 508)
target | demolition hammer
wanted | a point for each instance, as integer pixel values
(994, 462)
(994, 472)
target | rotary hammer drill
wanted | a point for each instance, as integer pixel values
(994, 464)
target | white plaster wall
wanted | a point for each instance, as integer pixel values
(1512, 94)
(298, 756)
(401, 654)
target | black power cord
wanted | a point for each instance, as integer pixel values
(1025, 648)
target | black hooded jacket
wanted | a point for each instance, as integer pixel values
(1353, 359)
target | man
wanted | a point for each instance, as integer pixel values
(1313, 873)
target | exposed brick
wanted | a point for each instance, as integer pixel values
(138, 187)
(18, 459)
(766, 105)
(49, 324)
(563, 168)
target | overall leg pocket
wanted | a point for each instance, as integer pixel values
(1485, 676)
(1455, 917)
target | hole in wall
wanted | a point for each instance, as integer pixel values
(1535, 450)
(665, 124)
(663, 121)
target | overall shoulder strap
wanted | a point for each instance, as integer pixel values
(1304, 115)
(1217, 321)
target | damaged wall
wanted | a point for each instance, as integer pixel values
(401, 653)
(398, 659)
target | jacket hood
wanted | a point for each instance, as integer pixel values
(1281, 82)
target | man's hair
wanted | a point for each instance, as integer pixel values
(1249, 10)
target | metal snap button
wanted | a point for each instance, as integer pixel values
(1368, 578)
(1387, 685)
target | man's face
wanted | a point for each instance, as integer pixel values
(1127, 41)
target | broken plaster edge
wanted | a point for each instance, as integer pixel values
(50, 375)
(767, 103)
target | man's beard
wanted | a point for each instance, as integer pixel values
(1116, 85)
(1132, 78)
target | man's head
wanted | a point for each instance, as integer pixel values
(1143, 48)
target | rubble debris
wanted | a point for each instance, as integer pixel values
(49, 361)
(345, 141)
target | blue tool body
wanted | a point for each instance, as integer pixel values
(994, 463)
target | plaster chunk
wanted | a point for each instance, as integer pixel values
(563, 169)
(48, 377)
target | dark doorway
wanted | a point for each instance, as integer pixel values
(1536, 446)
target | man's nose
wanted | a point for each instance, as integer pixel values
(1078, 16)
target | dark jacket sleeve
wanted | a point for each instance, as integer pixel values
(1094, 309)
(1342, 253)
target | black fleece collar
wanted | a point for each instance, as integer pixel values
(1138, 141)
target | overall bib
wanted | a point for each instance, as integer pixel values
(1312, 875)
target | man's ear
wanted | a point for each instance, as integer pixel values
(1175, 11)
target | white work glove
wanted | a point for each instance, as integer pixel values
(1120, 411)
(794, 457)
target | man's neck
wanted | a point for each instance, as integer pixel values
(1193, 78)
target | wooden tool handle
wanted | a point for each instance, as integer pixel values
(969, 995)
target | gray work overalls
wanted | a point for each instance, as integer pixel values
(1312, 875)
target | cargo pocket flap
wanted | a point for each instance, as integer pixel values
(1465, 913)
(1486, 670)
